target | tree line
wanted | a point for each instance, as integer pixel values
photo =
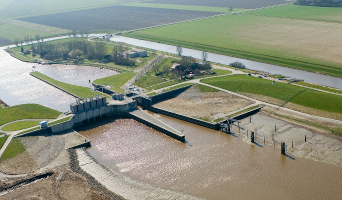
(321, 3)
(78, 50)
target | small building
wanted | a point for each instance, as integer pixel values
(43, 124)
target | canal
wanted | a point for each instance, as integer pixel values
(211, 164)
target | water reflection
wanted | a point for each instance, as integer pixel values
(18, 87)
(211, 165)
(74, 74)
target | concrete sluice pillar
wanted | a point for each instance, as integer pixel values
(283, 148)
(252, 137)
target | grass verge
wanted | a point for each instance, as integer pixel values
(177, 86)
(204, 88)
(27, 111)
(14, 148)
(78, 91)
(20, 125)
(60, 121)
(286, 92)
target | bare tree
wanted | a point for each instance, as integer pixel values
(230, 8)
(37, 37)
(16, 42)
(179, 50)
(204, 56)
(74, 33)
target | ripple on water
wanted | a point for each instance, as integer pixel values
(211, 164)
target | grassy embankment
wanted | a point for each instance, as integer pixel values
(116, 81)
(260, 88)
(27, 111)
(78, 91)
(20, 125)
(28, 124)
(275, 40)
(14, 148)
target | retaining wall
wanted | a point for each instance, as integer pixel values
(247, 114)
(185, 118)
(168, 95)
(105, 90)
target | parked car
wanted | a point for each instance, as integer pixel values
(249, 74)
(260, 76)
(280, 79)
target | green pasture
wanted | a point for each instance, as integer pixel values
(13, 32)
(183, 7)
(20, 125)
(14, 148)
(258, 38)
(27, 111)
(329, 14)
(204, 88)
(116, 81)
(78, 91)
(283, 91)
(148, 80)
(30, 8)
(3, 140)
(320, 87)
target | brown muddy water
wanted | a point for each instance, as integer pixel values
(211, 164)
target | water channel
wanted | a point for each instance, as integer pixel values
(222, 59)
(211, 164)
(17, 86)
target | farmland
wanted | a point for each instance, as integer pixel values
(302, 12)
(295, 43)
(17, 8)
(12, 32)
(247, 4)
(115, 17)
(4, 40)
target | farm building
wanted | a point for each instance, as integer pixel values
(136, 53)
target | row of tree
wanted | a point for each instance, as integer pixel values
(322, 3)
(79, 50)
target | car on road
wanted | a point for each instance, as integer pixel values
(260, 76)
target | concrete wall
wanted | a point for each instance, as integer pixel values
(36, 132)
(105, 90)
(247, 114)
(185, 118)
(168, 95)
(63, 126)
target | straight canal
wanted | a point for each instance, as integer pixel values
(211, 164)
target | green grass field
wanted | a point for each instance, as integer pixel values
(60, 121)
(14, 148)
(204, 88)
(79, 91)
(13, 32)
(20, 125)
(330, 14)
(27, 111)
(116, 81)
(320, 87)
(3, 140)
(309, 98)
(294, 43)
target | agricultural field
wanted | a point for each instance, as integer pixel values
(183, 7)
(247, 4)
(12, 32)
(302, 44)
(18, 8)
(4, 40)
(328, 14)
(121, 18)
